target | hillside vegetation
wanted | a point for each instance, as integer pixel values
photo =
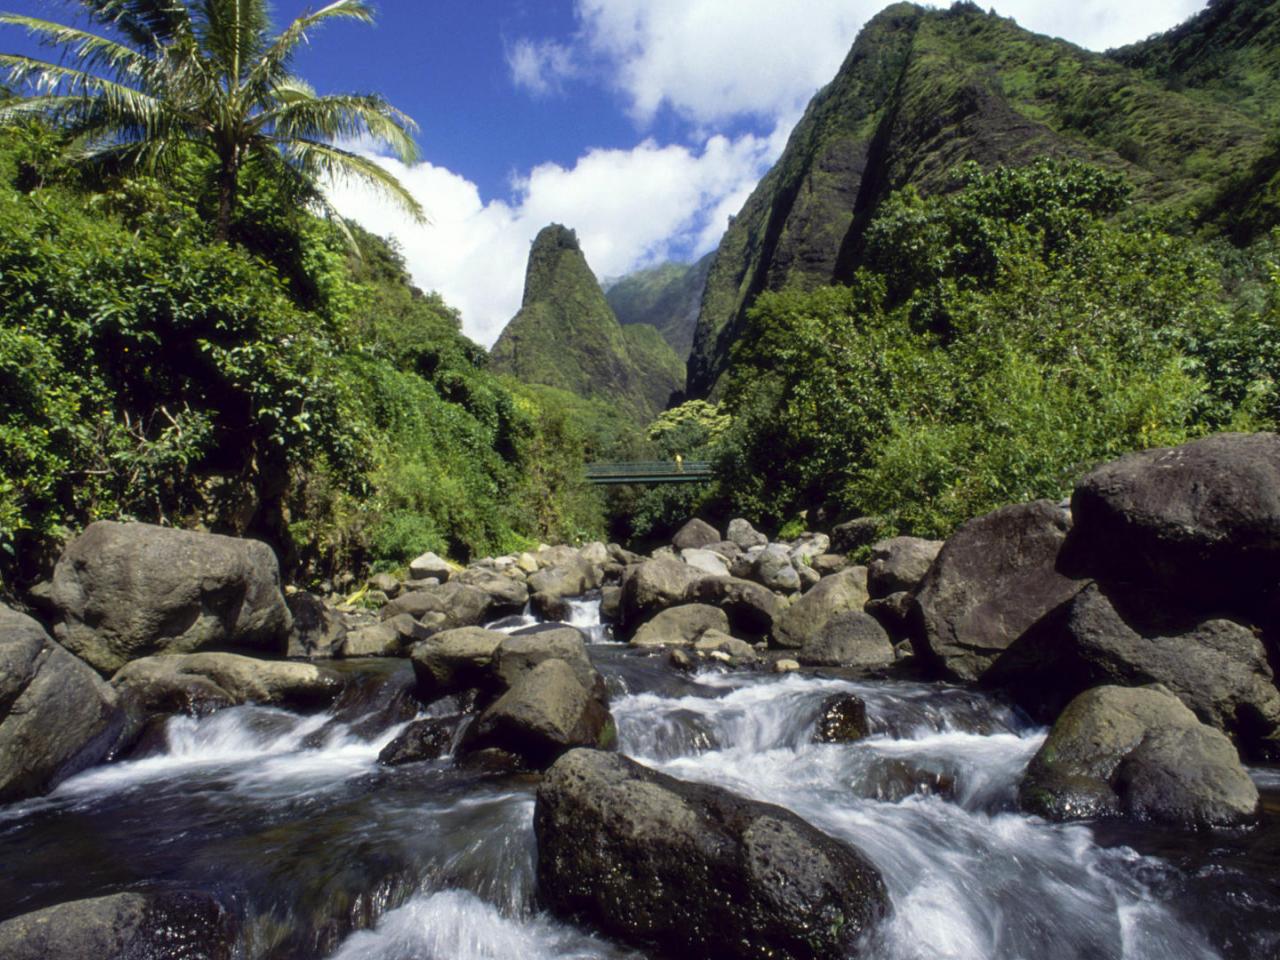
(666, 297)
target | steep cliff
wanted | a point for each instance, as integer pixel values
(666, 297)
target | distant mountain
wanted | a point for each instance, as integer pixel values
(923, 91)
(566, 336)
(667, 297)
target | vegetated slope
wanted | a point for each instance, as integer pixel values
(666, 297)
(567, 336)
(923, 91)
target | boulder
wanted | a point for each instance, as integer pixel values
(828, 563)
(804, 619)
(390, 638)
(519, 654)
(551, 606)
(842, 719)
(992, 580)
(752, 609)
(428, 739)
(850, 639)
(773, 568)
(862, 532)
(527, 563)
(386, 583)
(461, 604)
(571, 579)
(623, 556)
(695, 535)
(1141, 754)
(894, 613)
(454, 660)
(809, 578)
(130, 590)
(725, 549)
(124, 926)
(681, 626)
(716, 641)
(652, 586)
(786, 666)
(743, 535)
(808, 547)
(547, 712)
(318, 629)
(694, 869)
(899, 565)
(430, 566)
(1199, 523)
(507, 595)
(610, 604)
(1216, 667)
(57, 716)
(709, 562)
(193, 683)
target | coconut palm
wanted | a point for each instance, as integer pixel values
(162, 75)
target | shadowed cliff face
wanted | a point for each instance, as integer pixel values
(567, 336)
(665, 297)
(922, 92)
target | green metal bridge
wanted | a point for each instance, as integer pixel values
(652, 471)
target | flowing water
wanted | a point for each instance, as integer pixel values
(290, 820)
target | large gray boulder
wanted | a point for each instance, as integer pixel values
(454, 660)
(851, 639)
(546, 712)
(429, 566)
(198, 682)
(900, 565)
(708, 561)
(130, 590)
(57, 716)
(693, 869)
(752, 609)
(124, 926)
(695, 535)
(521, 653)
(507, 595)
(654, 585)
(839, 593)
(743, 535)
(571, 578)
(461, 605)
(1217, 668)
(992, 580)
(1200, 523)
(681, 626)
(774, 569)
(318, 629)
(1141, 754)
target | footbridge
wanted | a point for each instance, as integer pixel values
(650, 471)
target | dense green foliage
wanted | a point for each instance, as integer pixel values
(666, 297)
(318, 400)
(998, 341)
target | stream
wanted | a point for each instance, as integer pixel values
(293, 824)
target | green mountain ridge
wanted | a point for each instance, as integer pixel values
(566, 336)
(924, 91)
(666, 297)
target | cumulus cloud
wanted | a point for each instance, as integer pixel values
(540, 66)
(630, 208)
(1099, 24)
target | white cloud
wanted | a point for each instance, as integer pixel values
(630, 208)
(540, 66)
(1099, 24)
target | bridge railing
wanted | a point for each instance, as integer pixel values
(650, 471)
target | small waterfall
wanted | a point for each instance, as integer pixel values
(584, 613)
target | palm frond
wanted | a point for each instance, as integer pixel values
(343, 117)
(117, 99)
(273, 65)
(325, 162)
(145, 23)
(92, 51)
(232, 34)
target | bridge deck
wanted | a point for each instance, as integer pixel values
(652, 471)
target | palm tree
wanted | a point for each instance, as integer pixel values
(166, 74)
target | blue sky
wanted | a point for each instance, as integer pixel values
(642, 124)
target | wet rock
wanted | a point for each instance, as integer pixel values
(547, 712)
(862, 532)
(1217, 668)
(850, 639)
(130, 590)
(461, 604)
(890, 780)
(773, 568)
(1138, 753)
(652, 586)
(693, 868)
(716, 641)
(899, 565)
(57, 716)
(1199, 523)
(743, 535)
(454, 660)
(680, 660)
(803, 620)
(124, 926)
(518, 655)
(752, 609)
(785, 666)
(428, 739)
(842, 719)
(709, 562)
(695, 535)
(551, 606)
(610, 604)
(994, 578)
(430, 566)
(681, 625)
(317, 630)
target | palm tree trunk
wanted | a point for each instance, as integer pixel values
(228, 176)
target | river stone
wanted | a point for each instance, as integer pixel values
(57, 716)
(743, 535)
(650, 587)
(809, 578)
(681, 625)
(454, 660)
(1217, 668)
(716, 641)
(850, 639)
(828, 563)
(385, 582)
(900, 564)
(842, 719)
(773, 568)
(694, 869)
(461, 604)
(752, 609)
(428, 566)
(710, 563)
(546, 712)
(130, 590)
(610, 604)
(695, 535)
(428, 739)
(1199, 523)
(801, 622)
(507, 595)
(570, 579)
(124, 926)
(1138, 753)
(318, 629)
(182, 683)
(992, 580)
(551, 606)
(519, 654)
